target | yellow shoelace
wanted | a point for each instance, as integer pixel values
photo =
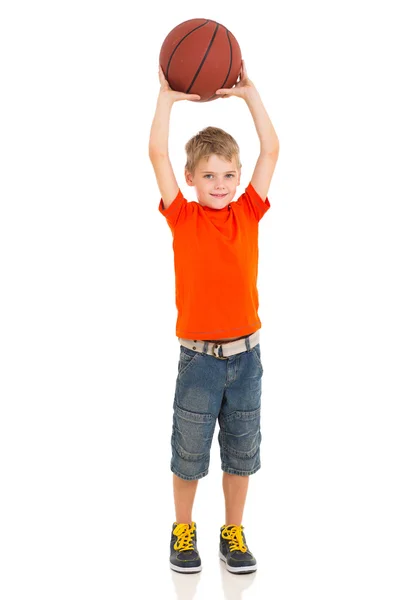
(184, 533)
(234, 535)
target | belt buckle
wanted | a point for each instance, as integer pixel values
(216, 355)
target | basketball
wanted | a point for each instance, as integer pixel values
(200, 56)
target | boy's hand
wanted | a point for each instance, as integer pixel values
(243, 87)
(172, 94)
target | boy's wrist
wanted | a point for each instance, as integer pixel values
(251, 95)
(165, 99)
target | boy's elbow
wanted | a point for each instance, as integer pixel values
(275, 152)
(271, 152)
(275, 149)
(152, 148)
(155, 153)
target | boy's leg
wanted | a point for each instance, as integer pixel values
(233, 549)
(235, 491)
(239, 439)
(184, 494)
(198, 397)
(184, 556)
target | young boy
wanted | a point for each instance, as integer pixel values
(215, 243)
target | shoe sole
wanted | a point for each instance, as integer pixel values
(185, 569)
(238, 570)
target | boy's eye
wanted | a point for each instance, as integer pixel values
(230, 175)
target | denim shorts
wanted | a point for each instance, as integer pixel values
(207, 389)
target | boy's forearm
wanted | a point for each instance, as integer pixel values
(269, 142)
(159, 132)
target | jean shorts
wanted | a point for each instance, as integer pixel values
(207, 389)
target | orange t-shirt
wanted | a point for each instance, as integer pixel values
(216, 265)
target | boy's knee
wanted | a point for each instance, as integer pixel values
(191, 442)
(240, 439)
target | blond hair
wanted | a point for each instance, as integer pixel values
(208, 141)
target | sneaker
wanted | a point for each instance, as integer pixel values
(234, 552)
(184, 556)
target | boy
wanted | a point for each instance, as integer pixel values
(219, 372)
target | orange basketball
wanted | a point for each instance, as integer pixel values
(200, 56)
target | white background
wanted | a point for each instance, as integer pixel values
(87, 320)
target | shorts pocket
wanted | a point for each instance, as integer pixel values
(256, 352)
(192, 434)
(186, 358)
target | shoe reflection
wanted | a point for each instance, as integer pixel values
(234, 585)
(185, 584)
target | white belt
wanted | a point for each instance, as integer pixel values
(224, 349)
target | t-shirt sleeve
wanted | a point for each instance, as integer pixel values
(175, 210)
(253, 202)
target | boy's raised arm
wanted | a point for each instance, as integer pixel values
(269, 143)
(158, 143)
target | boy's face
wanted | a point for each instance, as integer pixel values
(215, 180)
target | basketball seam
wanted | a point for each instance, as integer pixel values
(204, 58)
(230, 58)
(230, 65)
(177, 46)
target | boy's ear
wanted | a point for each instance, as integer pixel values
(189, 178)
(239, 174)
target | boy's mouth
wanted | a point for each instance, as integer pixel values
(218, 195)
